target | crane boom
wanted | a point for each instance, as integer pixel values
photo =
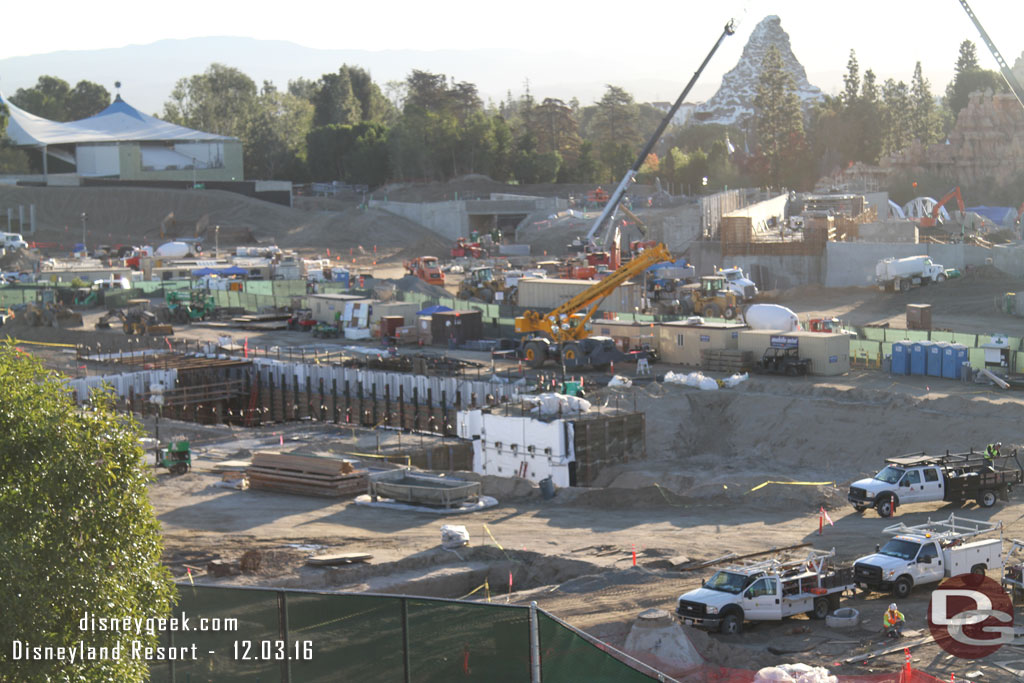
(1011, 80)
(616, 196)
(565, 322)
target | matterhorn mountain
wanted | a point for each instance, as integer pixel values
(734, 100)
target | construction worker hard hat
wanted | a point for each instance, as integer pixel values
(893, 607)
(999, 444)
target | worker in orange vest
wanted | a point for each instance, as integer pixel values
(893, 620)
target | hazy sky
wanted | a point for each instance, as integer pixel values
(662, 40)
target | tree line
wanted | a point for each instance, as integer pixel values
(345, 126)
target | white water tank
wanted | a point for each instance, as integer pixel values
(771, 317)
(172, 250)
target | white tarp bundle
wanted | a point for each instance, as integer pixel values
(556, 404)
(694, 379)
(794, 673)
(620, 381)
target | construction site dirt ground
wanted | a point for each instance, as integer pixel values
(573, 554)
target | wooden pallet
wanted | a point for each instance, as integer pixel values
(726, 360)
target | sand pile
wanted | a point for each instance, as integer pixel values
(718, 445)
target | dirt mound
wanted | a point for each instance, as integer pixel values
(133, 214)
(717, 445)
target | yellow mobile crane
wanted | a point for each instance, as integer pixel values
(566, 329)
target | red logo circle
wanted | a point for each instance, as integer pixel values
(970, 616)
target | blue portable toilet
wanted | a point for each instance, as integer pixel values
(953, 358)
(899, 363)
(935, 350)
(918, 359)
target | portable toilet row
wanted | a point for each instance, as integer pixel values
(935, 359)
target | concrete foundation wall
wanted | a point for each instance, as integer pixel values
(448, 219)
(852, 264)
(904, 232)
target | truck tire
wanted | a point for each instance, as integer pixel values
(941, 277)
(821, 609)
(978, 569)
(535, 354)
(573, 355)
(732, 624)
(884, 506)
(729, 313)
(712, 311)
(987, 498)
(901, 588)
(904, 286)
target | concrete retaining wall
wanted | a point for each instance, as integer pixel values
(448, 219)
(852, 264)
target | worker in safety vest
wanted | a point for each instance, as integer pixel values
(991, 453)
(893, 620)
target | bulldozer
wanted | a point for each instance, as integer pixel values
(711, 297)
(481, 284)
(135, 320)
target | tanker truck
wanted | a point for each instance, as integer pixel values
(900, 274)
(771, 317)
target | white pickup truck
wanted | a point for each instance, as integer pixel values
(921, 478)
(927, 553)
(768, 590)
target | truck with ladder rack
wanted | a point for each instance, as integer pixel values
(921, 478)
(927, 553)
(766, 590)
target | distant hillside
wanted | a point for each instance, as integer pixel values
(148, 72)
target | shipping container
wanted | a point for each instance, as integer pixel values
(829, 353)
(681, 342)
(900, 358)
(545, 294)
(447, 327)
(405, 309)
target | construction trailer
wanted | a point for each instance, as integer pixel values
(546, 294)
(626, 333)
(327, 308)
(683, 342)
(829, 353)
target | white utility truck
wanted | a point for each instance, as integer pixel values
(768, 590)
(953, 477)
(927, 553)
(900, 274)
(739, 283)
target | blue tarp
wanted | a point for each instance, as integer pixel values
(1000, 215)
(230, 270)
(681, 263)
(431, 310)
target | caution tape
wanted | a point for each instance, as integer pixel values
(792, 483)
(493, 538)
(38, 343)
(483, 586)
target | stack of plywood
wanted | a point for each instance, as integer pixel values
(726, 360)
(311, 475)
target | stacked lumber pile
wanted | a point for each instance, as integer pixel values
(310, 475)
(726, 360)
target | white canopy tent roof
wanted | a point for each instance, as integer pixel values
(120, 122)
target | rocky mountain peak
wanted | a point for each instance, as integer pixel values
(734, 100)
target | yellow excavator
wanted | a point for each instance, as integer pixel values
(563, 334)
